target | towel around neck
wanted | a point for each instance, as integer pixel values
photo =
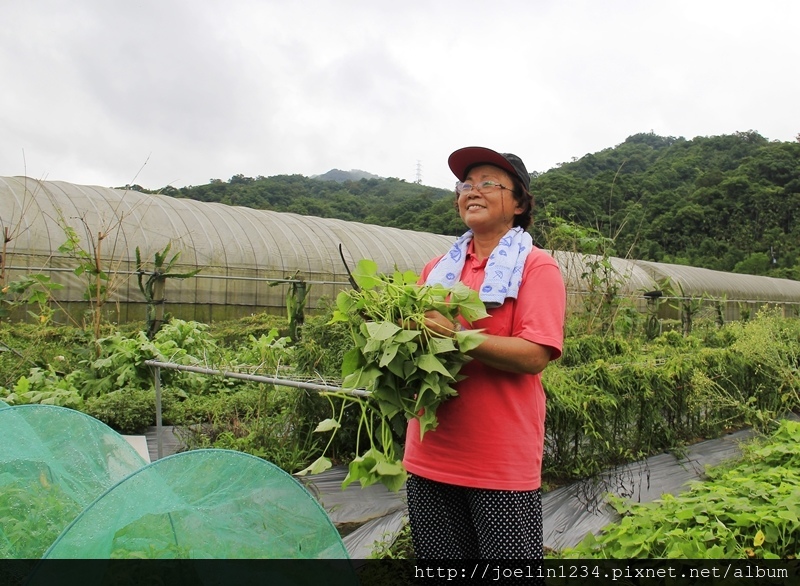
(503, 267)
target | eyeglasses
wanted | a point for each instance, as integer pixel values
(462, 188)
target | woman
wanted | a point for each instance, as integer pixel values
(474, 481)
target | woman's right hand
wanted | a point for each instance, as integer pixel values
(441, 325)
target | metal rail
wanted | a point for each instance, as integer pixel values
(157, 366)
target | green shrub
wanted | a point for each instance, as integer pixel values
(127, 411)
(322, 347)
(608, 409)
(267, 353)
(584, 349)
(262, 420)
(718, 337)
(231, 333)
(46, 387)
(24, 346)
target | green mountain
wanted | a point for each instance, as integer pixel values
(729, 202)
(342, 176)
(385, 202)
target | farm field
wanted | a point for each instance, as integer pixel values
(612, 399)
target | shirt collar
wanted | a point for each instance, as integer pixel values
(471, 255)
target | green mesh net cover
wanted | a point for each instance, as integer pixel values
(3, 404)
(53, 463)
(203, 504)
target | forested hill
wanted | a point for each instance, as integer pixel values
(385, 202)
(728, 202)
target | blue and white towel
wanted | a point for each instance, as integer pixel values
(503, 268)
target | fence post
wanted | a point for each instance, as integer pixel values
(157, 378)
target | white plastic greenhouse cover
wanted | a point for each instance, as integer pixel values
(243, 252)
(737, 287)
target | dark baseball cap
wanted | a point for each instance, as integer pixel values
(462, 160)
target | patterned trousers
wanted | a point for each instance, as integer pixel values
(455, 522)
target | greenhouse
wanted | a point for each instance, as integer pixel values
(241, 253)
(247, 259)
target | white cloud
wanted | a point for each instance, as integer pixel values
(211, 89)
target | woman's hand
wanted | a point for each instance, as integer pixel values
(507, 353)
(436, 323)
(441, 325)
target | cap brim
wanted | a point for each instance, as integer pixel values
(463, 159)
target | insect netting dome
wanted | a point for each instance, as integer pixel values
(203, 504)
(54, 462)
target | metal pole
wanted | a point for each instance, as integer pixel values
(157, 375)
(251, 377)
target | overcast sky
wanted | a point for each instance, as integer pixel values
(171, 92)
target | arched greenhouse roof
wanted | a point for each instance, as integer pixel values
(632, 278)
(242, 253)
(211, 235)
(700, 282)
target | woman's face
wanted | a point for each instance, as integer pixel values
(488, 209)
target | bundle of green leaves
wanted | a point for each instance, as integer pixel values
(407, 369)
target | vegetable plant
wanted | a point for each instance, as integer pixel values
(747, 509)
(406, 369)
(32, 514)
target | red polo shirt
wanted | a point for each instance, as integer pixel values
(492, 434)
